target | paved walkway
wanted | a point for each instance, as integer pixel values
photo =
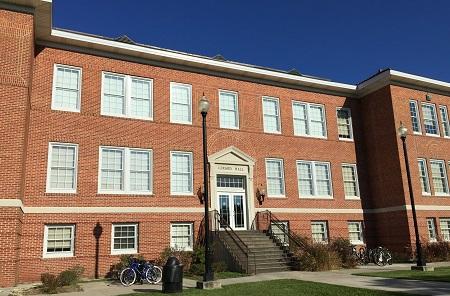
(340, 277)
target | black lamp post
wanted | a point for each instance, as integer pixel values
(208, 276)
(420, 260)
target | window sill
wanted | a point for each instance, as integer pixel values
(352, 198)
(272, 133)
(311, 137)
(317, 197)
(181, 122)
(124, 252)
(57, 255)
(127, 117)
(230, 128)
(66, 110)
(277, 196)
(433, 135)
(124, 193)
(67, 192)
(357, 242)
(346, 140)
(182, 194)
(442, 194)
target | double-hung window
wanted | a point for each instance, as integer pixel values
(125, 170)
(415, 117)
(355, 232)
(124, 238)
(180, 103)
(127, 96)
(314, 179)
(275, 177)
(181, 173)
(181, 236)
(309, 120)
(319, 231)
(350, 178)
(59, 240)
(431, 226)
(430, 121)
(62, 168)
(344, 121)
(66, 88)
(228, 105)
(271, 115)
(445, 121)
(445, 228)
(423, 174)
(439, 177)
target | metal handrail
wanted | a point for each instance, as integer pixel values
(222, 223)
(273, 220)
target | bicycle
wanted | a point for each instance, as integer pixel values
(143, 269)
(379, 256)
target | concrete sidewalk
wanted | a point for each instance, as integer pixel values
(340, 277)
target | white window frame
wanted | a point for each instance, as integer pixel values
(71, 253)
(280, 160)
(326, 234)
(431, 229)
(444, 121)
(49, 167)
(264, 98)
(446, 229)
(136, 240)
(445, 177)
(313, 172)
(55, 68)
(358, 193)
(191, 226)
(126, 172)
(127, 93)
(436, 118)
(361, 232)
(191, 160)
(350, 125)
(188, 86)
(424, 162)
(237, 109)
(416, 107)
(308, 120)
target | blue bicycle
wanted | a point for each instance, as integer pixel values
(140, 270)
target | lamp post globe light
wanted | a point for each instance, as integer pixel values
(208, 276)
(421, 264)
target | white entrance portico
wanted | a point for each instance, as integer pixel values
(232, 192)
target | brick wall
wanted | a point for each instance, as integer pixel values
(16, 47)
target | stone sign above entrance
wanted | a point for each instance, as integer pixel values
(231, 169)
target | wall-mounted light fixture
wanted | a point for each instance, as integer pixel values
(428, 97)
(201, 194)
(260, 195)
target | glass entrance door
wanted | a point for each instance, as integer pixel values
(232, 209)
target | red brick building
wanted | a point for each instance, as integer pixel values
(97, 130)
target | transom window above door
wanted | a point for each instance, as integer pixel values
(230, 181)
(127, 96)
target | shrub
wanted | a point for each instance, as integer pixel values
(344, 249)
(185, 257)
(70, 276)
(198, 261)
(219, 266)
(50, 283)
(319, 257)
(436, 251)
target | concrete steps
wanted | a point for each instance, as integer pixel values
(265, 255)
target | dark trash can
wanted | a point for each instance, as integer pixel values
(172, 277)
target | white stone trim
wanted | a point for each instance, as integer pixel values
(104, 210)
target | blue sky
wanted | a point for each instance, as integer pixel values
(346, 41)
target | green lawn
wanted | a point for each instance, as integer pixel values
(281, 287)
(440, 274)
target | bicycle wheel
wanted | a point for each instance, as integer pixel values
(153, 275)
(379, 258)
(127, 277)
